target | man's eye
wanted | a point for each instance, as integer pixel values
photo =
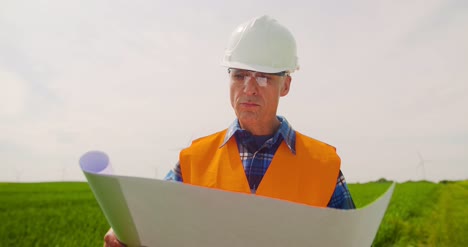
(267, 77)
(238, 76)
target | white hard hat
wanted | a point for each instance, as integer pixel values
(261, 44)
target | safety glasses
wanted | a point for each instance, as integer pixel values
(262, 79)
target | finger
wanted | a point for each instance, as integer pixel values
(113, 243)
(108, 235)
(110, 240)
(117, 243)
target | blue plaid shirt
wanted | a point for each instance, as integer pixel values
(257, 158)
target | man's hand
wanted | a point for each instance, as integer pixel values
(110, 240)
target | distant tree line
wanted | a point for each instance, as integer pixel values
(384, 180)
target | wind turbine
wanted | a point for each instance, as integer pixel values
(63, 172)
(421, 164)
(18, 175)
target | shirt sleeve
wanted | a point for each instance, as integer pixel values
(341, 198)
(175, 174)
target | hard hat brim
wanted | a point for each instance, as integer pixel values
(257, 68)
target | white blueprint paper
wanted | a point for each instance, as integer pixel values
(152, 212)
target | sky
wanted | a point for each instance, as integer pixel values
(385, 82)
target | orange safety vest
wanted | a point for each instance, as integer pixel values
(307, 177)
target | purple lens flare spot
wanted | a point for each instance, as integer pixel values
(94, 161)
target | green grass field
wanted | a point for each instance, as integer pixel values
(66, 214)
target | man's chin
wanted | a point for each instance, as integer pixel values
(248, 117)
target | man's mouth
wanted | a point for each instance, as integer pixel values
(248, 104)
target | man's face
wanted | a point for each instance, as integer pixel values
(255, 95)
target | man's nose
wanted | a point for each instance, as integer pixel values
(250, 85)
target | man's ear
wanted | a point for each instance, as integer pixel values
(286, 86)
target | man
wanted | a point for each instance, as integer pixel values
(260, 153)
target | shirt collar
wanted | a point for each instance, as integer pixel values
(285, 131)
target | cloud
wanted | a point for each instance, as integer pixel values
(138, 80)
(14, 94)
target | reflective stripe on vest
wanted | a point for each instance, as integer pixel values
(307, 177)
